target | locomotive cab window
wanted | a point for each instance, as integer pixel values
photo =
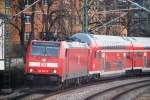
(45, 49)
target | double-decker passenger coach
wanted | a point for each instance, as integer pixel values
(111, 55)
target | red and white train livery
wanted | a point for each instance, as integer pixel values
(56, 61)
(89, 57)
(115, 54)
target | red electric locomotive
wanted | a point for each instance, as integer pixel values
(55, 62)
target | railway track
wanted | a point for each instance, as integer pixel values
(115, 93)
(41, 95)
(120, 96)
(86, 92)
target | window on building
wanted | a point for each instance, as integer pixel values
(75, 20)
(28, 2)
(27, 19)
(7, 35)
(27, 36)
(46, 2)
(7, 3)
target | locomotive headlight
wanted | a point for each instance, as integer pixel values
(31, 70)
(54, 71)
(36, 64)
(44, 60)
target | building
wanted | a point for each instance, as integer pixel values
(56, 17)
(7, 9)
(120, 17)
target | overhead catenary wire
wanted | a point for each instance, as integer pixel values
(115, 19)
(139, 5)
(29, 6)
(117, 11)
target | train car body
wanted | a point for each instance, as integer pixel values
(76, 63)
(56, 61)
(141, 48)
(114, 54)
(88, 56)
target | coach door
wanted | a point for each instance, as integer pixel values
(103, 61)
(147, 59)
(138, 59)
(119, 61)
(66, 67)
(98, 60)
(107, 58)
(128, 60)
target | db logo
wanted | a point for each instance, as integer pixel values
(43, 64)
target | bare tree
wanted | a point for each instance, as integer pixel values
(18, 23)
(58, 17)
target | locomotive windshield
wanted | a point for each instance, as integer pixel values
(45, 49)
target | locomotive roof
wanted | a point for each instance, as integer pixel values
(102, 40)
(76, 45)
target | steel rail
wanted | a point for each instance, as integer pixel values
(46, 94)
(121, 88)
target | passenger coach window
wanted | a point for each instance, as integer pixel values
(97, 55)
(139, 54)
(128, 55)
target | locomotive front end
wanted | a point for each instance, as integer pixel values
(43, 62)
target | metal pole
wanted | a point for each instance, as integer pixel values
(85, 16)
(32, 23)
